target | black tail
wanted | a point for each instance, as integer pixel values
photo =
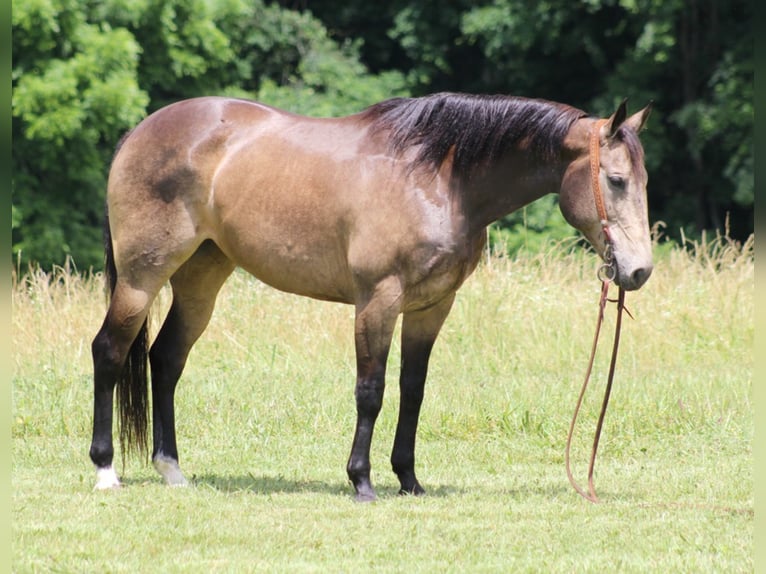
(133, 383)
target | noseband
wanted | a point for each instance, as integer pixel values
(606, 273)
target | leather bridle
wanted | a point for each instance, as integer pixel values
(606, 273)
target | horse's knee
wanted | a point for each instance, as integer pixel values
(369, 395)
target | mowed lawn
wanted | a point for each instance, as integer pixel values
(265, 415)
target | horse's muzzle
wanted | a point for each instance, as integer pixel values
(633, 279)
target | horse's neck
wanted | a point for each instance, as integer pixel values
(507, 187)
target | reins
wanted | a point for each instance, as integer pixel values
(606, 274)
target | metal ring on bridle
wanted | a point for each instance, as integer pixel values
(606, 272)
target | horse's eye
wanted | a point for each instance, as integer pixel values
(616, 182)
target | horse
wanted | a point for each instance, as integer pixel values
(385, 209)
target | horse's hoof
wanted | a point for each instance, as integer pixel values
(365, 497)
(169, 470)
(364, 492)
(106, 479)
(410, 485)
(417, 491)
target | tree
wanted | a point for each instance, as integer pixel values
(707, 75)
(75, 92)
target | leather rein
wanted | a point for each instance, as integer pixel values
(606, 275)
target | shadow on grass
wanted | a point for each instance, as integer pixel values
(267, 484)
(559, 492)
(278, 484)
(281, 485)
(521, 491)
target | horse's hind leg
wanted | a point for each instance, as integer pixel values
(419, 331)
(195, 287)
(111, 346)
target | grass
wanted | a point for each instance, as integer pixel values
(266, 413)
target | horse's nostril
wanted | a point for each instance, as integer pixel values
(639, 276)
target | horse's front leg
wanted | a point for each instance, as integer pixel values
(419, 331)
(374, 327)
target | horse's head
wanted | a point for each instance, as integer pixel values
(619, 170)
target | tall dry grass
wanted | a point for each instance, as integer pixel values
(509, 357)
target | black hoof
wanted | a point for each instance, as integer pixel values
(409, 484)
(415, 490)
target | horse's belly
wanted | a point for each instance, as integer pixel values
(315, 268)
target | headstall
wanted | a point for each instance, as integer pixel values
(606, 274)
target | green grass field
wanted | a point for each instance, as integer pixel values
(265, 415)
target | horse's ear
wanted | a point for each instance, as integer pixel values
(614, 122)
(637, 120)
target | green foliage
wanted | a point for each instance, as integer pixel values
(697, 66)
(557, 50)
(731, 88)
(325, 79)
(429, 34)
(183, 49)
(533, 229)
(75, 88)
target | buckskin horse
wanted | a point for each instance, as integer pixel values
(385, 210)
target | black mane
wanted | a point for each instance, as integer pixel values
(481, 128)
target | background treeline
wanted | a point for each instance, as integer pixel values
(85, 71)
